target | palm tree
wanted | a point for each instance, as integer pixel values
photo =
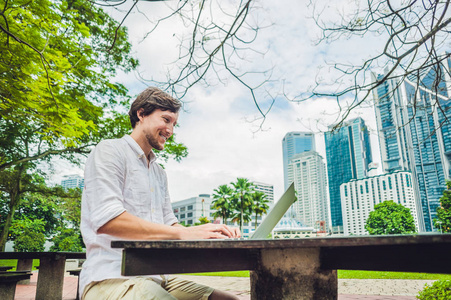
(242, 200)
(259, 205)
(222, 202)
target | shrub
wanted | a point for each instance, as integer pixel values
(67, 240)
(28, 235)
(440, 290)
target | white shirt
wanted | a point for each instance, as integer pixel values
(117, 179)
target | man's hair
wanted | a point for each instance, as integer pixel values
(149, 100)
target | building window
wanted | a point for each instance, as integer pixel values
(182, 208)
(190, 207)
(182, 216)
(189, 215)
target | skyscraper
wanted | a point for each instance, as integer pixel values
(293, 143)
(420, 113)
(73, 181)
(348, 154)
(310, 182)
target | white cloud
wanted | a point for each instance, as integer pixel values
(215, 127)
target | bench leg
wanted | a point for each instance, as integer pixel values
(292, 274)
(24, 265)
(51, 278)
(7, 290)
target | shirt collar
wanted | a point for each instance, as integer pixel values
(138, 150)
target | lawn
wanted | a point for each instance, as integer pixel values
(342, 274)
(348, 274)
(13, 262)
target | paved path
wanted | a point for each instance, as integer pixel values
(365, 289)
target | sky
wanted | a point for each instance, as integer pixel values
(220, 124)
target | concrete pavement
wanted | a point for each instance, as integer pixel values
(348, 289)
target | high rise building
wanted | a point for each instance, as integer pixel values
(266, 188)
(73, 181)
(190, 210)
(310, 182)
(359, 196)
(418, 114)
(293, 143)
(348, 155)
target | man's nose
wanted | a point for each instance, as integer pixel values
(170, 130)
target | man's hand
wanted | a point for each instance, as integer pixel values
(210, 231)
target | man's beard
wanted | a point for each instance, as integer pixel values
(154, 142)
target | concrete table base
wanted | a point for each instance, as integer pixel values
(280, 276)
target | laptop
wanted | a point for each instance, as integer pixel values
(275, 214)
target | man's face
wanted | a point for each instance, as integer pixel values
(158, 127)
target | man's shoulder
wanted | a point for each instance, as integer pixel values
(112, 143)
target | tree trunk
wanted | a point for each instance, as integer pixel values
(14, 203)
(241, 215)
(14, 200)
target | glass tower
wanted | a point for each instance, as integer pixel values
(348, 154)
(420, 134)
(294, 143)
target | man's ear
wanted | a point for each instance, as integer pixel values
(139, 113)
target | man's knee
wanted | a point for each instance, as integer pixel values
(221, 295)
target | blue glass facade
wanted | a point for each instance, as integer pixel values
(420, 136)
(348, 154)
(292, 144)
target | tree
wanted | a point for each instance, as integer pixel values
(214, 41)
(57, 95)
(28, 235)
(57, 66)
(389, 217)
(413, 36)
(242, 201)
(29, 198)
(259, 205)
(37, 206)
(222, 203)
(67, 240)
(202, 220)
(443, 221)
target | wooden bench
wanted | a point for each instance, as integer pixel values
(8, 282)
(290, 268)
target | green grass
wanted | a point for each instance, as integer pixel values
(13, 262)
(348, 274)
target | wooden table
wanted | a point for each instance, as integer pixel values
(51, 270)
(290, 268)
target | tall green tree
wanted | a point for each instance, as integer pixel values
(58, 97)
(443, 221)
(56, 67)
(222, 203)
(242, 200)
(389, 217)
(259, 205)
(27, 196)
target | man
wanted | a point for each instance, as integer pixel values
(126, 197)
